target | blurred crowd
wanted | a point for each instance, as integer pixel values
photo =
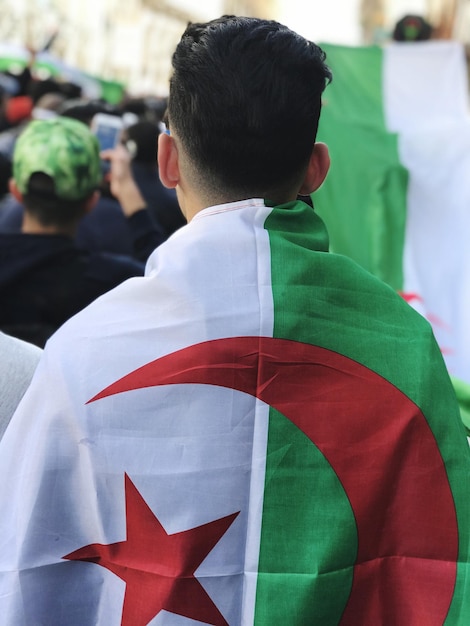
(38, 285)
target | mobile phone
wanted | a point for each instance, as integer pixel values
(108, 130)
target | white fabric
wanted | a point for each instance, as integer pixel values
(424, 83)
(437, 250)
(18, 360)
(199, 285)
(425, 90)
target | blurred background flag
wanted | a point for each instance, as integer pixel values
(397, 198)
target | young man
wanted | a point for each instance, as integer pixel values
(161, 202)
(258, 431)
(44, 277)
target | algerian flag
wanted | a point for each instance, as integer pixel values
(256, 432)
(398, 195)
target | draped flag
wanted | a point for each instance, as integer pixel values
(256, 432)
(398, 194)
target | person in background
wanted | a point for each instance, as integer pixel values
(108, 228)
(141, 141)
(145, 108)
(258, 431)
(45, 107)
(411, 28)
(17, 365)
(44, 277)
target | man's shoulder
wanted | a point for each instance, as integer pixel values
(378, 300)
(148, 299)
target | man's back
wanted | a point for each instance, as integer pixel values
(264, 422)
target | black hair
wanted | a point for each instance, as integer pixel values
(47, 208)
(245, 101)
(38, 88)
(6, 172)
(143, 136)
(148, 108)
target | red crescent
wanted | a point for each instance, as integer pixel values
(380, 446)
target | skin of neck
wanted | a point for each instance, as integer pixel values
(194, 196)
(31, 226)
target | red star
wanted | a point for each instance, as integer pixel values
(158, 568)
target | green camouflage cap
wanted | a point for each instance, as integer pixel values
(64, 149)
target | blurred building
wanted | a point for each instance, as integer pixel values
(128, 41)
(373, 20)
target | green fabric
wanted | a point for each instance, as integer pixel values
(299, 553)
(355, 94)
(462, 391)
(336, 305)
(363, 200)
(111, 90)
(64, 149)
(9, 63)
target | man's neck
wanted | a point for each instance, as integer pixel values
(195, 205)
(31, 226)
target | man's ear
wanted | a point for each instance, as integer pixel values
(15, 192)
(317, 169)
(168, 164)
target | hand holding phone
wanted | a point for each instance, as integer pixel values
(122, 184)
(108, 130)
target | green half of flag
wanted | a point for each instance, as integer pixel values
(344, 538)
(462, 391)
(363, 200)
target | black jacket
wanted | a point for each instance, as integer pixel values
(45, 279)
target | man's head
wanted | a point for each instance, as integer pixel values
(56, 170)
(244, 104)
